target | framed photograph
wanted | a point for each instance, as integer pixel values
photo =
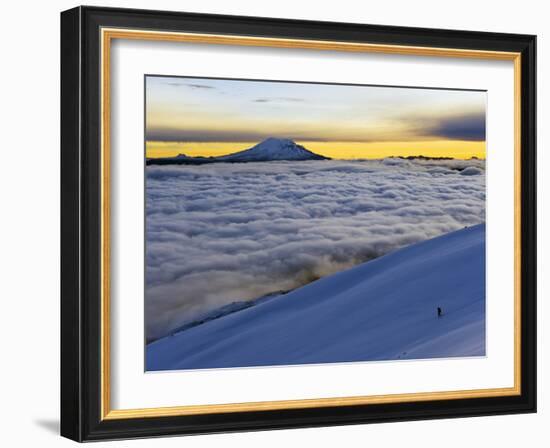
(274, 223)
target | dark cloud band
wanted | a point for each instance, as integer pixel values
(205, 136)
(229, 232)
(467, 127)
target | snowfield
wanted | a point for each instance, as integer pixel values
(384, 309)
(232, 232)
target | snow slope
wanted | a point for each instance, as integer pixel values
(268, 150)
(383, 309)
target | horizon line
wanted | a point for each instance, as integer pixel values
(378, 153)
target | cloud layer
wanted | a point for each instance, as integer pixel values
(228, 232)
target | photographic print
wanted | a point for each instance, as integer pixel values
(300, 210)
(292, 223)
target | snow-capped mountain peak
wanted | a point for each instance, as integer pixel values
(272, 149)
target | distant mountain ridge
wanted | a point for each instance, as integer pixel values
(270, 149)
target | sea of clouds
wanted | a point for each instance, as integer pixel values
(221, 233)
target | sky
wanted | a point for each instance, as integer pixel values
(212, 117)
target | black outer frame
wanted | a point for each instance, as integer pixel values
(80, 223)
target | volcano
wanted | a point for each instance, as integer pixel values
(270, 149)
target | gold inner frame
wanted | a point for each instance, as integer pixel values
(107, 35)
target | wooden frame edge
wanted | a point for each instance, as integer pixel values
(107, 34)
